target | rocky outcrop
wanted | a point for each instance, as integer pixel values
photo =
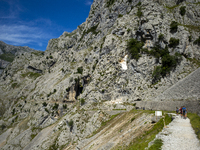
(92, 68)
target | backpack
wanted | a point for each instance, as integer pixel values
(184, 109)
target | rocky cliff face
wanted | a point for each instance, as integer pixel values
(97, 66)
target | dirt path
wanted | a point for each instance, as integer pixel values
(179, 135)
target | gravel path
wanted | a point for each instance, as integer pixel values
(179, 135)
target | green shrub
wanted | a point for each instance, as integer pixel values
(44, 104)
(157, 74)
(130, 1)
(14, 85)
(197, 41)
(173, 26)
(110, 3)
(169, 62)
(3, 127)
(190, 38)
(139, 12)
(54, 91)
(46, 110)
(120, 15)
(51, 57)
(82, 101)
(80, 70)
(64, 106)
(173, 42)
(161, 37)
(139, 4)
(55, 107)
(71, 123)
(182, 10)
(68, 89)
(132, 119)
(13, 111)
(128, 30)
(134, 47)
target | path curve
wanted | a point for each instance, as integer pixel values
(179, 134)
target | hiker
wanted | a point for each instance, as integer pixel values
(177, 110)
(184, 110)
(181, 111)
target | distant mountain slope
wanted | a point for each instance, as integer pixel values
(8, 53)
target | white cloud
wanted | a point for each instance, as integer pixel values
(12, 11)
(22, 34)
(88, 2)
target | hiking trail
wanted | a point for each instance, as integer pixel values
(179, 134)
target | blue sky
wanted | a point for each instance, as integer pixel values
(34, 22)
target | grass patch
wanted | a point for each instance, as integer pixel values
(7, 57)
(172, 7)
(15, 85)
(111, 118)
(38, 53)
(142, 141)
(157, 145)
(195, 121)
(31, 75)
(194, 61)
(191, 27)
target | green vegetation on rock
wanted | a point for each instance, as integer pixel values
(195, 121)
(134, 47)
(139, 12)
(80, 70)
(182, 10)
(7, 57)
(31, 75)
(92, 29)
(156, 145)
(169, 62)
(197, 41)
(173, 42)
(110, 3)
(142, 141)
(173, 26)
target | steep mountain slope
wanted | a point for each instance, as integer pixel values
(126, 51)
(8, 53)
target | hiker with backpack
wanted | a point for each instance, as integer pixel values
(184, 111)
